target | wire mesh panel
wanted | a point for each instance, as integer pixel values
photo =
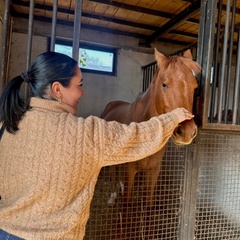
(218, 204)
(111, 218)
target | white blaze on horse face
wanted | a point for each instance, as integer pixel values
(194, 74)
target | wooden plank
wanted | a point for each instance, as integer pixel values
(89, 7)
(170, 6)
(135, 17)
(145, 3)
(110, 11)
(153, 20)
(122, 13)
(40, 1)
(185, 26)
(85, 20)
(63, 3)
(113, 25)
(103, 24)
(100, 9)
(93, 22)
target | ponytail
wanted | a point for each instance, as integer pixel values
(12, 107)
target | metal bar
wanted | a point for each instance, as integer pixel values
(144, 79)
(215, 66)
(148, 74)
(151, 76)
(29, 43)
(224, 58)
(153, 63)
(237, 84)
(76, 30)
(148, 77)
(229, 71)
(4, 50)
(54, 23)
(30, 33)
(190, 190)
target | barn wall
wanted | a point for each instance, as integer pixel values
(18, 52)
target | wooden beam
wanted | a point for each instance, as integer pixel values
(134, 8)
(175, 21)
(142, 9)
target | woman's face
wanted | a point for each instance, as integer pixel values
(71, 94)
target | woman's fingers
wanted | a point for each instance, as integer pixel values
(183, 114)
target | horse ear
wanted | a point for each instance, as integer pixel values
(188, 54)
(159, 56)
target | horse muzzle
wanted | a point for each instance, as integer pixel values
(184, 133)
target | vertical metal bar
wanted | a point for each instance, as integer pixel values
(149, 76)
(215, 65)
(4, 50)
(30, 33)
(76, 30)
(229, 70)
(237, 84)
(222, 77)
(201, 32)
(190, 190)
(29, 42)
(54, 23)
(144, 79)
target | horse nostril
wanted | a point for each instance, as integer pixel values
(179, 130)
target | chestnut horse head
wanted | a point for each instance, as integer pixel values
(173, 86)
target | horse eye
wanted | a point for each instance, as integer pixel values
(165, 85)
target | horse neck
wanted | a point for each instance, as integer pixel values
(144, 104)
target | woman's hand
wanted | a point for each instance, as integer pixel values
(182, 114)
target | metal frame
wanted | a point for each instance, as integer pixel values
(216, 50)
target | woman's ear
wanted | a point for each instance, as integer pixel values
(56, 89)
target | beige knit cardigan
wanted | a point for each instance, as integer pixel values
(49, 168)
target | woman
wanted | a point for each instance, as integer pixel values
(50, 159)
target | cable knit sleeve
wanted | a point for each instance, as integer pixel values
(124, 143)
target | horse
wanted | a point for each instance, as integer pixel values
(172, 86)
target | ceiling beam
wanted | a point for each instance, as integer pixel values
(134, 8)
(175, 21)
(141, 9)
(184, 34)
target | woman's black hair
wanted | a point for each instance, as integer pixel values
(46, 69)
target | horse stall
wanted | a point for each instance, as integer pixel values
(197, 192)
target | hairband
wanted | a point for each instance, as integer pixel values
(25, 77)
